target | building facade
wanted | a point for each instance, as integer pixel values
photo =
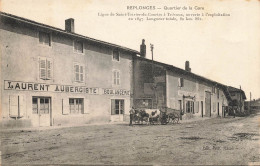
(158, 85)
(54, 77)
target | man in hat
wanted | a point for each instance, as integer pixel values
(132, 112)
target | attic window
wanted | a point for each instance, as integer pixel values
(116, 55)
(78, 46)
(45, 38)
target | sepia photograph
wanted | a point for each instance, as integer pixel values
(127, 82)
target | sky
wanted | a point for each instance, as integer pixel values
(224, 49)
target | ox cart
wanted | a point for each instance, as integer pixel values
(156, 116)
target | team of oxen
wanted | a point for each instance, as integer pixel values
(156, 116)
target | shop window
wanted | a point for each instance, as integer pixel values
(79, 72)
(181, 82)
(116, 55)
(117, 107)
(78, 46)
(76, 105)
(45, 68)
(40, 105)
(116, 77)
(45, 38)
(190, 107)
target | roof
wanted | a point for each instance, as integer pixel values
(232, 89)
(37, 24)
(192, 75)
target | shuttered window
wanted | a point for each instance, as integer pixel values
(45, 68)
(45, 38)
(116, 77)
(79, 72)
(181, 82)
(16, 106)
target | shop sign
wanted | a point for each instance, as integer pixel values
(42, 87)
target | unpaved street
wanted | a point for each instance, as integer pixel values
(213, 141)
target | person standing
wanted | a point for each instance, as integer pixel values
(132, 112)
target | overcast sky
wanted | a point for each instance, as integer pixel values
(224, 49)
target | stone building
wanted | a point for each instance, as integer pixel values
(158, 85)
(51, 76)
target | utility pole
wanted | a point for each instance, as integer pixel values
(151, 45)
(250, 103)
(240, 103)
(154, 85)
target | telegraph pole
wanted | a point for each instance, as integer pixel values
(250, 103)
(240, 103)
(154, 85)
(151, 45)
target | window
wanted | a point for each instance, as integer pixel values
(16, 106)
(218, 93)
(116, 77)
(45, 68)
(79, 72)
(45, 38)
(213, 89)
(116, 55)
(78, 46)
(181, 82)
(40, 105)
(76, 105)
(117, 107)
(190, 107)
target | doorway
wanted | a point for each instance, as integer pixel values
(207, 104)
(117, 109)
(41, 110)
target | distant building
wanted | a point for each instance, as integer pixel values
(238, 98)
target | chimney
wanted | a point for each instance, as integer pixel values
(143, 49)
(69, 25)
(187, 66)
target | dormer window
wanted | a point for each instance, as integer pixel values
(116, 55)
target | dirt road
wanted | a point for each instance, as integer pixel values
(214, 141)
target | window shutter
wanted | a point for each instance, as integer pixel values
(76, 66)
(42, 68)
(113, 107)
(86, 106)
(114, 77)
(13, 104)
(65, 106)
(49, 68)
(118, 78)
(180, 82)
(81, 73)
(22, 106)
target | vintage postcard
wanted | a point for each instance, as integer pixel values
(98, 82)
